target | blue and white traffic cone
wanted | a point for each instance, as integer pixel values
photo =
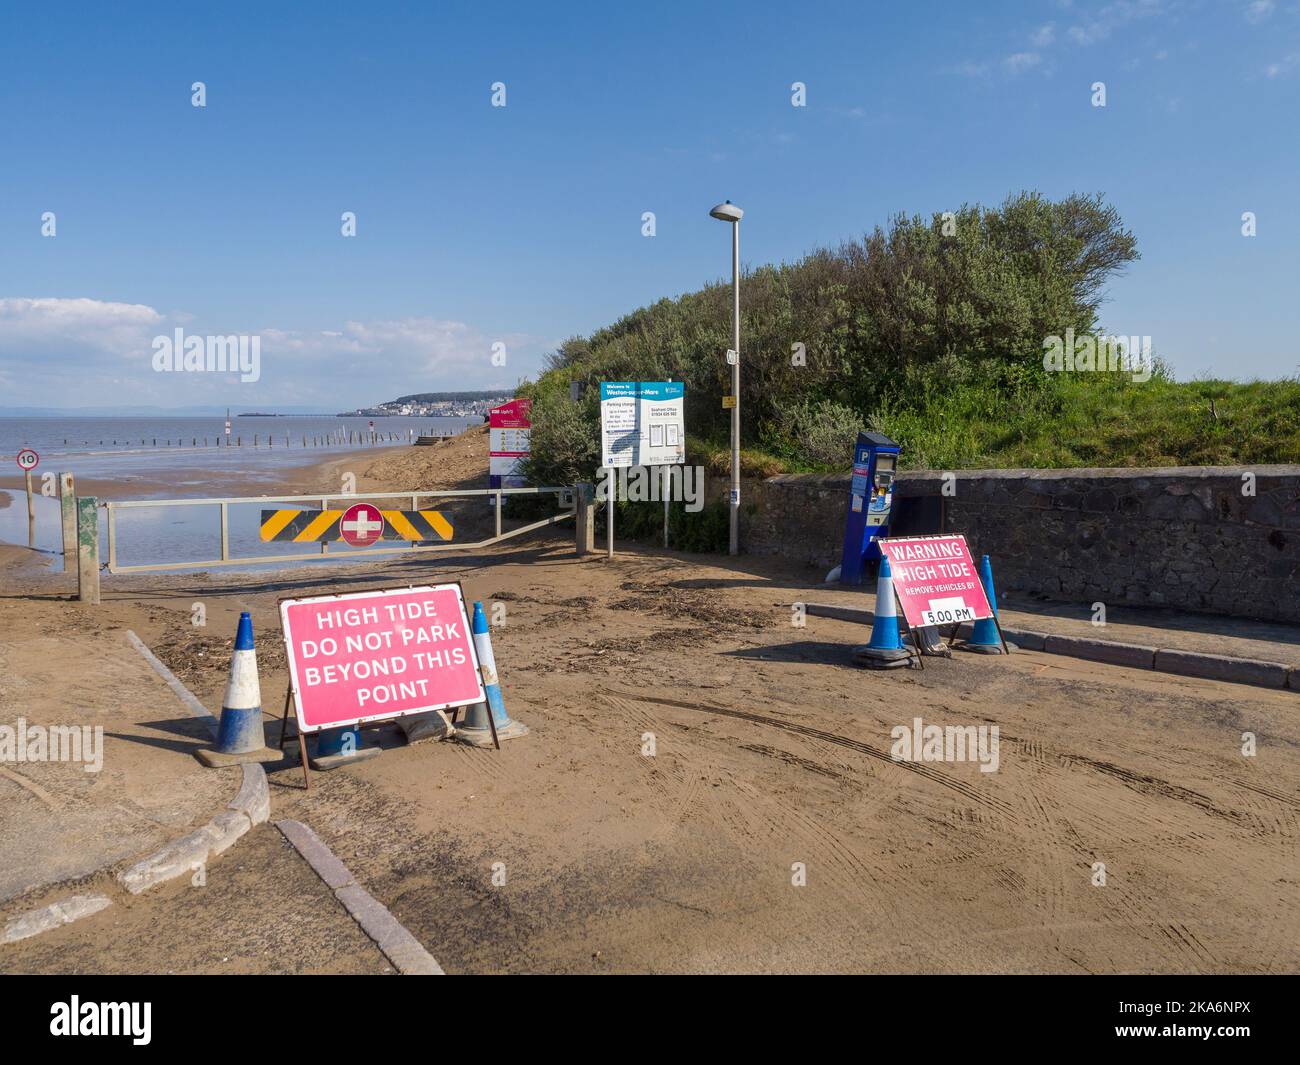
(984, 637)
(476, 728)
(340, 746)
(240, 737)
(886, 650)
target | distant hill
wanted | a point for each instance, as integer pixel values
(450, 397)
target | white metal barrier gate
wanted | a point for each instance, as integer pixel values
(574, 501)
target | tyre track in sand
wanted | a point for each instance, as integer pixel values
(753, 817)
(921, 769)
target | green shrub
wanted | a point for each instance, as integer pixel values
(930, 330)
(814, 433)
(706, 530)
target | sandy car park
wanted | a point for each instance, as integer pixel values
(705, 787)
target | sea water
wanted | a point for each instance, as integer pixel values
(110, 449)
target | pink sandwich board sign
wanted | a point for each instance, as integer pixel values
(935, 580)
(369, 656)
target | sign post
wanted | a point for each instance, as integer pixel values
(509, 428)
(28, 460)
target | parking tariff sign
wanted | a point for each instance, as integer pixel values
(935, 580)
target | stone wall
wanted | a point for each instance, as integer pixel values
(1179, 537)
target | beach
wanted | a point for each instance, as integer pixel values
(174, 534)
(771, 756)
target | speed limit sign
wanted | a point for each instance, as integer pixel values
(28, 459)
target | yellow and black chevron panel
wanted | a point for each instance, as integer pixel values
(304, 526)
(322, 526)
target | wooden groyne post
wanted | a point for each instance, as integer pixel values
(88, 549)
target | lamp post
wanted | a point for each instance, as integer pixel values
(729, 212)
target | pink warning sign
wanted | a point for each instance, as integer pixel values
(379, 654)
(935, 580)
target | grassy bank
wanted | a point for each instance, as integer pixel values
(1100, 420)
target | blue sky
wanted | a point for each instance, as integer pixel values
(522, 225)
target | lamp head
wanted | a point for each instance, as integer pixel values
(727, 212)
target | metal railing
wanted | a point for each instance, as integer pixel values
(570, 498)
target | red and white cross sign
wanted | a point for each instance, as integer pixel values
(361, 525)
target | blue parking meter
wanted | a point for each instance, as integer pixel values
(871, 499)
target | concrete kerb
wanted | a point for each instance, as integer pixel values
(250, 806)
(397, 944)
(1224, 667)
(1253, 671)
(53, 916)
(187, 697)
(1110, 651)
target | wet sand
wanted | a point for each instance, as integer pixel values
(201, 481)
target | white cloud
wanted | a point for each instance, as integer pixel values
(1283, 66)
(86, 324)
(58, 351)
(1021, 61)
(1092, 29)
(1259, 10)
(1044, 35)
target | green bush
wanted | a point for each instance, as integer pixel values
(930, 331)
(706, 530)
(816, 433)
(883, 322)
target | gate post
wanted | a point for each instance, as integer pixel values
(88, 549)
(584, 519)
(68, 514)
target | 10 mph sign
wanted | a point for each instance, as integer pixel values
(27, 459)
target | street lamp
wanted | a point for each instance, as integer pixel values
(729, 212)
